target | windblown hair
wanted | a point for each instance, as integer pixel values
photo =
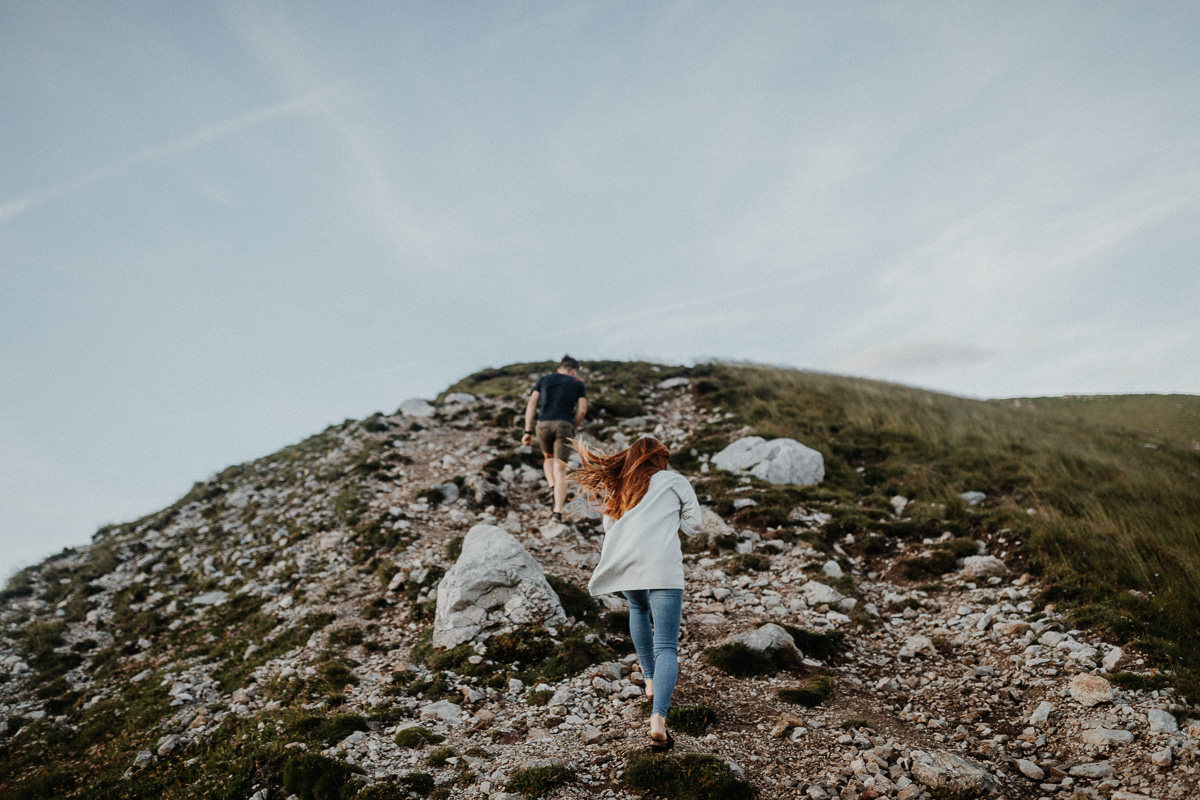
(619, 482)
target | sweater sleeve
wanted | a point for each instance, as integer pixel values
(689, 513)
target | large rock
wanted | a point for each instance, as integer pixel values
(774, 461)
(416, 407)
(711, 524)
(443, 710)
(768, 639)
(952, 774)
(816, 593)
(458, 398)
(494, 584)
(1161, 721)
(578, 510)
(1090, 690)
(983, 567)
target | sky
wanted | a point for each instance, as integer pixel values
(225, 226)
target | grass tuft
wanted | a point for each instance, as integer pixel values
(740, 661)
(537, 782)
(416, 737)
(689, 777)
(814, 693)
(692, 719)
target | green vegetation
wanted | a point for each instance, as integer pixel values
(419, 783)
(740, 661)
(692, 718)
(813, 693)
(416, 737)
(1112, 517)
(1138, 682)
(748, 562)
(438, 758)
(315, 777)
(576, 600)
(822, 646)
(528, 652)
(1174, 416)
(689, 777)
(329, 730)
(536, 782)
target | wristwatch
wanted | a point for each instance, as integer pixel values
(529, 433)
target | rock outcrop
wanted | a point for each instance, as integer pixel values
(775, 461)
(495, 584)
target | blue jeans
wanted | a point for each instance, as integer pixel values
(654, 627)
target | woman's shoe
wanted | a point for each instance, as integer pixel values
(662, 747)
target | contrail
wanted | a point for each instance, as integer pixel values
(20, 205)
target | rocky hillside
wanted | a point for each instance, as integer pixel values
(272, 634)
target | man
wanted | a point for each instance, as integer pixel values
(559, 402)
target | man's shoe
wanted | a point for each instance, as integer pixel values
(556, 517)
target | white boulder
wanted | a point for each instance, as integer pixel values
(774, 461)
(579, 510)
(444, 711)
(768, 639)
(494, 584)
(711, 524)
(816, 593)
(832, 569)
(416, 407)
(1161, 721)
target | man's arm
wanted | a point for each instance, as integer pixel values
(530, 414)
(580, 410)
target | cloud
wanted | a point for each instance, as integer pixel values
(917, 356)
(305, 103)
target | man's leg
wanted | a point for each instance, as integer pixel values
(548, 468)
(560, 485)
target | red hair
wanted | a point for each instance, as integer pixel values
(619, 481)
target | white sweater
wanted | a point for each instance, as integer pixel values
(641, 549)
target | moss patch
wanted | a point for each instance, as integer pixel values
(740, 661)
(689, 777)
(813, 693)
(692, 719)
(537, 782)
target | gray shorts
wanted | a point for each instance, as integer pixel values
(553, 435)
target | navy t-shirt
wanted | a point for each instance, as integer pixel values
(557, 397)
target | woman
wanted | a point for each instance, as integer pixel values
(646, 506)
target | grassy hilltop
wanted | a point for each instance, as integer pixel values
(1100, 495)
